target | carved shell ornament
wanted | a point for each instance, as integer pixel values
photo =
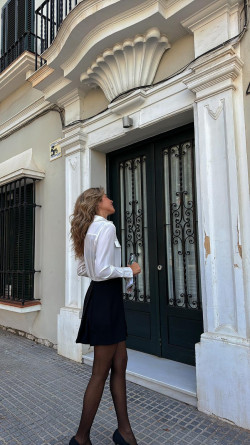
(127, 65)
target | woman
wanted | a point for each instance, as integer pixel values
(103, 322)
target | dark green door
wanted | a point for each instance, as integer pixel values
(153, 188)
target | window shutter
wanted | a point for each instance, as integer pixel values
(21, 28)
(30, 14)
(17, 18)
(23, 234)
(4, 11)
(11, 34)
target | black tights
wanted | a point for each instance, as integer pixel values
(108, 357)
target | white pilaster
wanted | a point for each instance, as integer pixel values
(222, 356)
(76, 164)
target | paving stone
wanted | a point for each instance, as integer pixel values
(41, 400)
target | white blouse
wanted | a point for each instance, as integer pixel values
(102, 253)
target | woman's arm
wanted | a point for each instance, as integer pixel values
(104, 267)
(81, 268)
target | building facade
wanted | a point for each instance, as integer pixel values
(150, 99)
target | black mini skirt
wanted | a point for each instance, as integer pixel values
(103, 320)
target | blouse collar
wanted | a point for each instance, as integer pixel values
(101, 218)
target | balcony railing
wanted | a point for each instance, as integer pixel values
(49, 17)
(26, 42)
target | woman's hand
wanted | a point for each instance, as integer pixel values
(135, 268)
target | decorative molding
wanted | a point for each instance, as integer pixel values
(73, 162)
(71, 97)
(165, 89)
(219, 70)
(74, 140)
(215, 113)
(93, 14)
(209, 13)
(56, 89)
(128, 104)
(14, 76)
(128, 65)
(19, 166)
(23, 117)
(38, 76)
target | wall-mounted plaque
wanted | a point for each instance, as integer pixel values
(55, 150)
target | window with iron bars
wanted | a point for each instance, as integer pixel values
(17, 240)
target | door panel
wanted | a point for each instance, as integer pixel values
(153, 188)
(131, 184)
(179, 287)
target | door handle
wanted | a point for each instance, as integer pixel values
(159, 267)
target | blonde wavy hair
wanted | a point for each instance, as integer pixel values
(84, 211)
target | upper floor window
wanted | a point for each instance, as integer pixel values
(17, 30)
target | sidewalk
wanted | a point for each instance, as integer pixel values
(41, 398)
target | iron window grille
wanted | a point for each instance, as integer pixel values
(17, 240)
(18, 17)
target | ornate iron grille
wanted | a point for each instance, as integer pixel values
(49, 17)
(134, 230)
(181, 224)
(17, 240)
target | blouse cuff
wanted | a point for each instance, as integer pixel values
(128, 273)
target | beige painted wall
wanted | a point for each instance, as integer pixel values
(179, 55)
(94, 102)
(50, 226)
(18, 101)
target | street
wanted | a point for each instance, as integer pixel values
(41, 398)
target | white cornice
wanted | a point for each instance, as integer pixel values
(214, 73)
(38, 76)
(14, 76)
(128, 104)
(20, 166)
(128, 65)
(71, 97)
(21, 173)
(23, 117)
(82, 12)
(210, 13)
(106, 28)
(55, 89)
(74, 139)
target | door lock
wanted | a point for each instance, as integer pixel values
(159, 267)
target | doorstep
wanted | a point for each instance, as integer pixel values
(173, 379)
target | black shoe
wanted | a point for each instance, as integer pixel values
(73, 441)
(118, 439)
